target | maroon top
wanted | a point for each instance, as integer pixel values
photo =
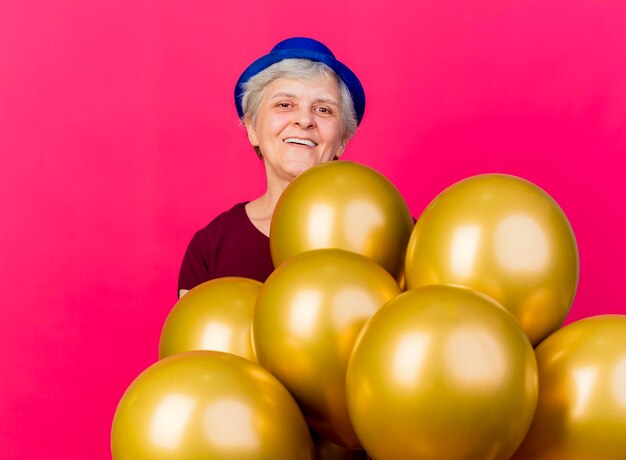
(229, 246)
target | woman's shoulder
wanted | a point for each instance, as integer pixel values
(237, 212)
(224, 222)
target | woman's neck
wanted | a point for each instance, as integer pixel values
(261, 210)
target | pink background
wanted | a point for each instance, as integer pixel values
(119, 139)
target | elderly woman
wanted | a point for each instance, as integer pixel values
(300, 107)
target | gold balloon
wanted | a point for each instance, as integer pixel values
(342, 205)
(215, 315)
(443, 373)
(206, 404)
(503, 236)
(581, 411)
(308, 315)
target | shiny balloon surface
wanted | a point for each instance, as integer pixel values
(308, 315)
(441, 373)
(342, 205)
(581, 411)
(211, 405)
(503, 236)
(215, 315)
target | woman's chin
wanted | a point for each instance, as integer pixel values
(296, 169)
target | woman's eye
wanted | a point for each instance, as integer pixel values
(284, 105)
(323, 110)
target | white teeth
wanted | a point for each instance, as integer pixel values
(296, 140)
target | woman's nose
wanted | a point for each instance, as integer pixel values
(304, 118)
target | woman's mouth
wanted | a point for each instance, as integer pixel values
(299, 141)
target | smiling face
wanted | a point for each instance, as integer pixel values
(298, 125)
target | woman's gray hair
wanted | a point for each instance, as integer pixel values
(296, 69)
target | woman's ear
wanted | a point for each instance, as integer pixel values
(340, 151)
(252, 137)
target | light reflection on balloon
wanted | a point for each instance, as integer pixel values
(369, 220)
(474, 358)
(463, 250)
(216, 336)
(170, 420)
(408, 360)
(520, 244)
(618, 381)
(232, 425)
(307, 306)
(584, 382)
(320, 226)
(363, 304)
